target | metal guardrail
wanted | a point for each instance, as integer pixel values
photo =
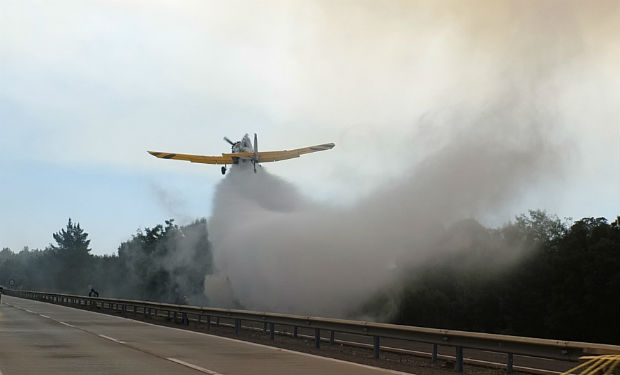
(510, 345)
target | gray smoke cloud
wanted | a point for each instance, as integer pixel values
(283, 252)
(491, 140)
(286, 253)
(171, 203)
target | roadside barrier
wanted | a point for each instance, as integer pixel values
(182, 314)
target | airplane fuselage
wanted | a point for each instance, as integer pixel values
(244, 145)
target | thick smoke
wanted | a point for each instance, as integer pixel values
(486, 146)
(283, 252)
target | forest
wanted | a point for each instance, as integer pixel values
(166, 263)
(537, 276)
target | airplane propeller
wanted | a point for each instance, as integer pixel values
(229, 141)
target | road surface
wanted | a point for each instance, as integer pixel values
(43, 338)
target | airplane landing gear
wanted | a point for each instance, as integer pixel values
(224, 170)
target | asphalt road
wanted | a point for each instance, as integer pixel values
(43, 338)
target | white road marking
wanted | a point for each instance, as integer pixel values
(45, 316)
(30, 311)
(192, 366)
(112, 339)
(66, 324)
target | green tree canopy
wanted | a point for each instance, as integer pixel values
(73, 260)
(72, 239)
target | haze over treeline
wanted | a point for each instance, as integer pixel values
(165, 263)
(564, 286)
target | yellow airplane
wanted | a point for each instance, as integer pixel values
(243, 151)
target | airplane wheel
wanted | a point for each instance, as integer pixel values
(223, 170)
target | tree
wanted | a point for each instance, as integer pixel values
(72, 259)
(537, 277)
(167, 263)
(72, 239)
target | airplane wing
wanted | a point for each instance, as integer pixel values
(224, 159)
(268, 156)
(263, 157)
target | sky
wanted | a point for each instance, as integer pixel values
(86, 88)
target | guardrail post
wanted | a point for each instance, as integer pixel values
(376, 345)
(459, 359)
(217, 321)
(175, 317)
(134, 310)
(168, 314)
(510, 363)
(237, 324)
(265, 327)
(186, 319)
(434, 356)
(272, 331)
(331, 337)
(208, 322)
(317, 338)
(124, 309)
(295, 331)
